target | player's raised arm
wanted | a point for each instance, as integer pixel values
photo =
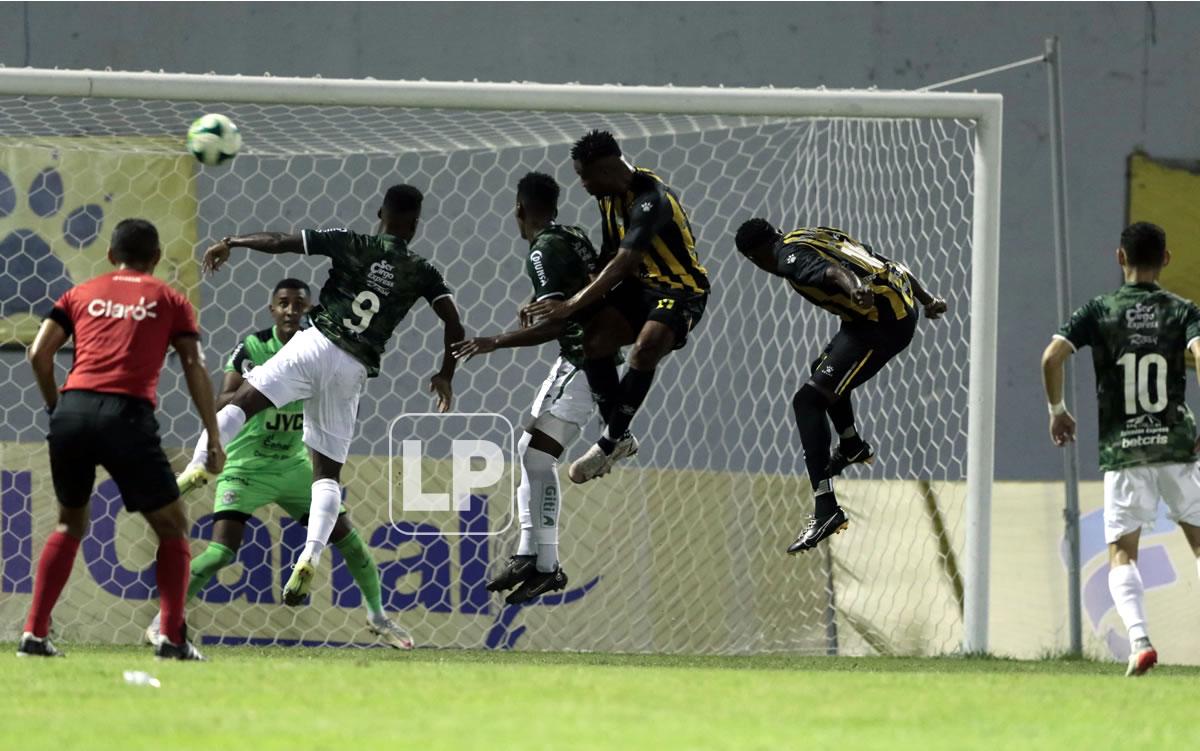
(264, 242)
(441, 383)
(50, 338)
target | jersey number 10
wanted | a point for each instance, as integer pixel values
(1137, 382)
(365, 306)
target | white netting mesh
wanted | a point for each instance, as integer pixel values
(680, 550)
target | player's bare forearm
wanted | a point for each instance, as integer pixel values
(919, 291)
(50, 338)
(267, 242)
(542, 332)
(447, 311)
(1195, 350)
(43, 372)
(1053, 360)
(229, 386)
(619, 268)
(198, 383)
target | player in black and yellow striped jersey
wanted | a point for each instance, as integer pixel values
(877, 300)
(651, 292)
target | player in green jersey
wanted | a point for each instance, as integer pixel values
(560, 261)
(374, 280)
(268, 463)
(1138, 335)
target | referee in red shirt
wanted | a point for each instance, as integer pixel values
(122, 322)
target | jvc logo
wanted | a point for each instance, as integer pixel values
(108, 309)
(286, 422)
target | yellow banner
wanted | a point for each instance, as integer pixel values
(59, 201)
(1168, 194)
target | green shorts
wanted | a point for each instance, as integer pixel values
(247, 492)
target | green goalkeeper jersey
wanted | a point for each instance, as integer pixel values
(1138, 337)
(560, 263)
(272, 441)
(373, 282)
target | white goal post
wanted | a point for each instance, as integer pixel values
(983, 111)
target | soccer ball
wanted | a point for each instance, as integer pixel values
(213, 139)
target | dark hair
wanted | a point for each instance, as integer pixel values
(597, 144)
(754, 233)
(1145, 245)
(402, 199)
(291, 283)
(538, 191)
(134, 241)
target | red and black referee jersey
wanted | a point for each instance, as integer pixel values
(123, 322)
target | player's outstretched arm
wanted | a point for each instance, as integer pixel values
(441, 383)
(264, 242)
(50, 338)
(934, 307)
(623, 264)
(1062, 424)
(543, 332)
(188, 348)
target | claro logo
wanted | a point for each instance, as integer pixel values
(108, 309)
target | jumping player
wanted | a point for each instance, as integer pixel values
(876, 299)
(374, 280)
(122, 323)
(651, 293)
(1138, 335)
(559, 262)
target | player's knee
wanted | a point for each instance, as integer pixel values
(168, 521)
(73, 521)
(341, 528)
(648, 351)
(810, 398)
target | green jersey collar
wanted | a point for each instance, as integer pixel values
(1148, 286)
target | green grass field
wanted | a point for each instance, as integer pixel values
(251, 698)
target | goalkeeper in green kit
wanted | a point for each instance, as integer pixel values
(269, 463)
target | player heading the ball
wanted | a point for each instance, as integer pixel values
(374, 280)
(1138, 335)
(876, 299)
(651, 292)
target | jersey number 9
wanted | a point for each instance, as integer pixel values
(365, 306)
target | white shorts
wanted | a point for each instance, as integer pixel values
(327, 378)
(1131, 497)
(564, 394)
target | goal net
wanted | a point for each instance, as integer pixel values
(681, 548)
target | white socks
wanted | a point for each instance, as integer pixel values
(322, 515)
(1125, 585)
(538, 505)
(230, 420)
(525, 546)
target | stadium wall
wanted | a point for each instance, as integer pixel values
(1129, 73)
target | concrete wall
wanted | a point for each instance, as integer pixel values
(1130, 73)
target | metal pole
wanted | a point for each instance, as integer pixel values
(1058, 188)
